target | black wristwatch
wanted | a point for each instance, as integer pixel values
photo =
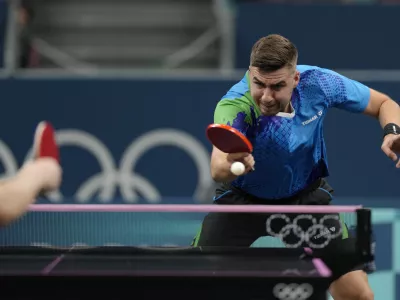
(391, 128)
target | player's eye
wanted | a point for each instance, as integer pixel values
(277, 87)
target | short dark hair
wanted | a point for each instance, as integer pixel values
(272, 53)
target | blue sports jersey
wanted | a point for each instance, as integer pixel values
(289, 149)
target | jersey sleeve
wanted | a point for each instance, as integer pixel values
(344, 93)
(233, 112)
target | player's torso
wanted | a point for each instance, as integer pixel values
(289, 150)
(283, 138)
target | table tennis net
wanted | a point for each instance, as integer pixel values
(164, 229)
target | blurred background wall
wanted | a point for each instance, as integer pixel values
(131, 85)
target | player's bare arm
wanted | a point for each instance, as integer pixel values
(387, 111)
(221, 163)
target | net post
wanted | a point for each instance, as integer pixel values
(364, 234)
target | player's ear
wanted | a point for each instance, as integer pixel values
(296, 78)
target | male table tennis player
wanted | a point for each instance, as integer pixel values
(42, 174)
(280, 106)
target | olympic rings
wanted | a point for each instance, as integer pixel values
(293, 291)
(313, 235)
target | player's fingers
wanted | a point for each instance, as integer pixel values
(388, 151)
(249, 163)
(232, 157)
(398, 164)
(51, 172)
(45, 172)
(252, 167)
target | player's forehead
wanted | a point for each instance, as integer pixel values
(270, 77)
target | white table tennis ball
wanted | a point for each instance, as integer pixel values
(237, 168)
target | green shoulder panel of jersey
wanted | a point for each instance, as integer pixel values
(227, 110)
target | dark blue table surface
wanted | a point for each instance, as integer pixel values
(257, 262)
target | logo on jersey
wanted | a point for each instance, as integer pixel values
(319, 114)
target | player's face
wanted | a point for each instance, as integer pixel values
(273, 91)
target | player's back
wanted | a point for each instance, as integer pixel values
(289, 149)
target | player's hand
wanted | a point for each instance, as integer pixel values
(391, 147)
(246, 158)
(46, 170)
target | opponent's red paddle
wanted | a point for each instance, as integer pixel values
(44, 144)
(228, 139)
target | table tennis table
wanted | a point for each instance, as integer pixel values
(121, 272)
(182, 273)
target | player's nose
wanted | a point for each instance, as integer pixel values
(267, 96)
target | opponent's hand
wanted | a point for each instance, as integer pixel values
(46, 171)
(246, 158)
(391, 147)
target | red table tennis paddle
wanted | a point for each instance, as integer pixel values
(44, 144)
(228, 139)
